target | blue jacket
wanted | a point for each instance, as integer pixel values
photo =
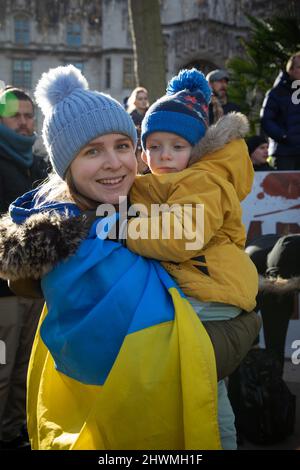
(280, 118)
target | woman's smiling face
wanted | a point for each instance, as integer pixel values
(105, 168)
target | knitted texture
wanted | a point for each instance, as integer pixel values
(75, 115)
(183, 110)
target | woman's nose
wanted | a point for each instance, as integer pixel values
(112, 161)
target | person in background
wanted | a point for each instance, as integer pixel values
(277, 259)
(137, 105)
(280, 117)
(20, 170)
(218, 81)
(258, 151)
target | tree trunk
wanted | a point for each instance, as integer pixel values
(147, 38)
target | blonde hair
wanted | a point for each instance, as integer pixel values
(132, 98)
(290, 62)
(54, 189)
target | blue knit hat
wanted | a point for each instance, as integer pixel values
(75, 115)
(183, 110)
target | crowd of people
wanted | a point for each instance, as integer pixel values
(49, 237)
(277, 146)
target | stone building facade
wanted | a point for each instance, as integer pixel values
(206, 33)
(94, 35)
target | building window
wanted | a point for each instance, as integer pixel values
(22, 74)
(107, 72)
(128, 73)
(74, 34)
(79, 65)
(22, 30)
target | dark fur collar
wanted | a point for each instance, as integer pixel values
(32, 249)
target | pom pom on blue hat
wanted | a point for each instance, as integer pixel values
(192, 80)
(183, 110)
(57, 84)
(75, 115)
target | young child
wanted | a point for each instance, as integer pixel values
(193, 165)
(117, 344)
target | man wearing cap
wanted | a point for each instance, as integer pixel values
(218, 80)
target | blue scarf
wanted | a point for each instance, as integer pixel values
(25, 206)
(16, 146)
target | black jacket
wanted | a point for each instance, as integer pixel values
(263, 167)
(16, 180)
(137, 118)
(280, 118)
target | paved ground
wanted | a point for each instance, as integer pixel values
(292, 378)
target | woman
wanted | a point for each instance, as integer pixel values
(138, 104)
(120, 360)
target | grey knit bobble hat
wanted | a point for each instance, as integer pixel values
(75, 115)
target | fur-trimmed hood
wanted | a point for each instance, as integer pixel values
(229, 127)
(32, 249)
(217, 154)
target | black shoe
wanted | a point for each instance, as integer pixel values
(19, 443)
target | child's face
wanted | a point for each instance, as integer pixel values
(260, 154)
(105, 168)
(166, 153)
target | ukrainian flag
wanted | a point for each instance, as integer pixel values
(120, 359)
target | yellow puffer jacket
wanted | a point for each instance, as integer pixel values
(220, 176)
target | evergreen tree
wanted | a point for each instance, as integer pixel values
(270, 45)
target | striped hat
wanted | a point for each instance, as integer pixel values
(183, 110)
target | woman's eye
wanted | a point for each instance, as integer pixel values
(153, 147)
(92, 151)
(123, 146)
